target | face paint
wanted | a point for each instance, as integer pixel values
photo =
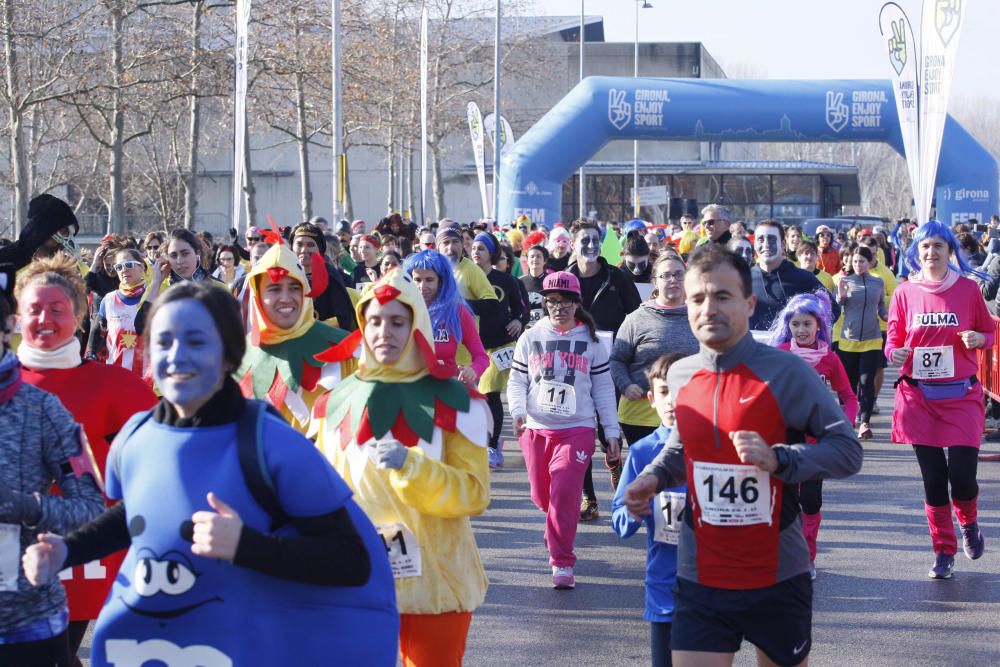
(47, 317)
(186, 352)
(637, 265)
(745, 251)
(768, 243)
(588, 245)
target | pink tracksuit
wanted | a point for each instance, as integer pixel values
(919, 318)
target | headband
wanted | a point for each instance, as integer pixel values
(487, 241)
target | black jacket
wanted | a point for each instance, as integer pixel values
(336, 302)
(615, 297)
(775, 288)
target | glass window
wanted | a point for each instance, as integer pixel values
(705, 188)
(752, 189)
(796, 189)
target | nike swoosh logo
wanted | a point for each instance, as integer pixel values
(746, 400)
(796, 651)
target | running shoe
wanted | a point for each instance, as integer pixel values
(562, 578)
(616, 475)
(495, 457)
(865, 432)
(943, 567)
(588, 510)
(812, 571)
(973, 541)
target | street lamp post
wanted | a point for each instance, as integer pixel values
(497, 119)
(582, 177)
(635, 143)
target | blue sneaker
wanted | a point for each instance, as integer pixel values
(973, 541)
(943, 567)
(495, 457)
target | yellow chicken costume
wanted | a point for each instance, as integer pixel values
(426, 504)
(280, 365)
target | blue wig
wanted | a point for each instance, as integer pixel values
(935, 228)
(446, 309)
(817, 305)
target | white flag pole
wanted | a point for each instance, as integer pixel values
(423, 115)
(940, 28)
(239, 106)
(903, 59)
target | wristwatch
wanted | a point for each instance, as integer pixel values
(784, 459)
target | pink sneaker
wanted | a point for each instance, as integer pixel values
(562, 578)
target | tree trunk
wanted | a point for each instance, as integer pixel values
(391, 171)
(408, 195)
(190, 178)
(116, 207)
(248, 187)
(17, 152)
(436, 185)
(302, 139)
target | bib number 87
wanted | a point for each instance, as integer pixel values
(748, 492)
(931, 359)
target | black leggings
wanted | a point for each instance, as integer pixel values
(634, 433)
(41, 653)
(811, 496)
(861, 367)
(959, 469)
(496, 409)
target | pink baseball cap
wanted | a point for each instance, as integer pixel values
(561, 281)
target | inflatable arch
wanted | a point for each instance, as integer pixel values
(603, 109)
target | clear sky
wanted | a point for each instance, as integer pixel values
(798, 39)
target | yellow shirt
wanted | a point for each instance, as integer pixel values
(473, 285)
(433, 496)
(890, 282)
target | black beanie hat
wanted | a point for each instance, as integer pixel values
(52, 214)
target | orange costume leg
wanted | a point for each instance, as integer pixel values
(433, 640)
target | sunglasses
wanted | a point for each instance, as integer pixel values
(253, 239)
(153, 248)
(130, 264)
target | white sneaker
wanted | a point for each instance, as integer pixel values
(562, 578)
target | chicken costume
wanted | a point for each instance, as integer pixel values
(280, 365)
(422, 510)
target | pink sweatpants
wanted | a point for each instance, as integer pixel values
(556, 462)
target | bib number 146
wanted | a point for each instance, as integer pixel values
(732, 494)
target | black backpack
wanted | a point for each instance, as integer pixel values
(250, 452)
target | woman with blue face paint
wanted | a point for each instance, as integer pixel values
(210, 573)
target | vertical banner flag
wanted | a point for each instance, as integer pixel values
(940, 27)
(903, 59)
(479, 150)
(423, 116)
(240, 106)
(506, 136)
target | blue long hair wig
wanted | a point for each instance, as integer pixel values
(817, 305)
(446, 309)
(935, 228)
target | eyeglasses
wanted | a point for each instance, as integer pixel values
(675, 275)
(559, 305)
(130, 264)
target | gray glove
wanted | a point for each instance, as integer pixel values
(390, 454)
(18, 507)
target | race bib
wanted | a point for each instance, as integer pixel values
(402, 548)
(667, 516)
(933, 363)
(10, 556)
(732, 494)
(503, 358)
(557, 398)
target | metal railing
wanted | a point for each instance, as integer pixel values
(989, 358)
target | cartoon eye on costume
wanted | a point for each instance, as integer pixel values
(168, 575)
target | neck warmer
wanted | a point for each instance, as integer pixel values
(934, 286)
(65, 356)
(811, 355)
(10, 376)
(131, 292)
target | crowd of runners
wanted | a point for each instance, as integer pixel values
(266, 449)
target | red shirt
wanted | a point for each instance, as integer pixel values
(101, 398)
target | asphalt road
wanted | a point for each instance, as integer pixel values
(873, 603)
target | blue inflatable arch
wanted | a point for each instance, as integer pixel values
(603, 109)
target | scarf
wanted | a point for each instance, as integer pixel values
(10, 376)
(65, 356)
(934, 286)
(811, 355)
(131, 292)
